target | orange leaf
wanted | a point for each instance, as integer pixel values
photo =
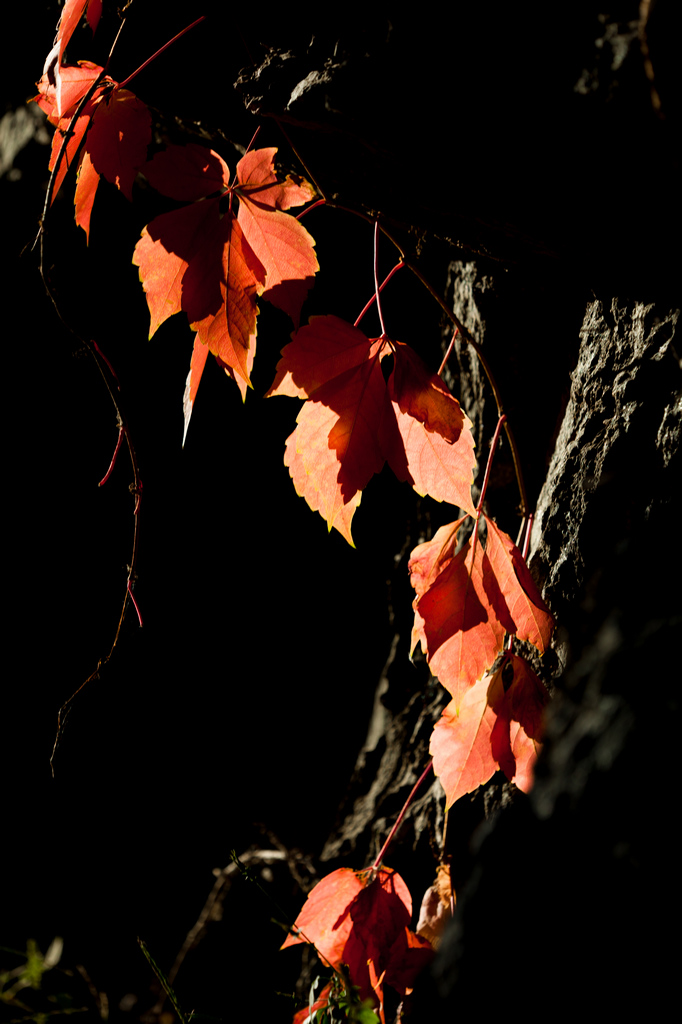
(325, 919)
(520, 720)
(118, 138)
(338, 440)
(196, 369)
(115, 146)
(212, 264)
(231, 332)
(381, 934)
(282, 244)
(76, 79)
(461, 740)
(426, 562)
(187, 173)
(320, 351)
(67, 25)
(531, 617)
(461, 625)
(321, 490)
(352, 918)
(353, 422)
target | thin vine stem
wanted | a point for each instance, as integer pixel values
(158, 53)
(383, 284)
(101, 362)
(376, 278)
(389, 839)
(454, 319)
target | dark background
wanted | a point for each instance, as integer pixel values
(246, 695)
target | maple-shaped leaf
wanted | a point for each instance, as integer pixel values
(212, 262)
(531, 617)
(353, 421)
(517, 734)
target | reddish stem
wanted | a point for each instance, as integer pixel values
(371, 302)
(496, 436)
(382, 852)
(319, 202)
(132, 598)
(449, 351)
(158, 53)
(99, 352)
(376, 277)
(479, 507)
(119, 442)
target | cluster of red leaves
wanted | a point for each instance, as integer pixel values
(360, 412)
(367, 402)
(208, 258)
(110, 135)
(212, 263)
(466, 603)
(362, 920)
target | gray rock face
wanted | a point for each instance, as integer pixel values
(620, 433)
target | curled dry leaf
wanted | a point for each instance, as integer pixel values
(436, 908)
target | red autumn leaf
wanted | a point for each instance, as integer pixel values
(409, 954)
(325, 919)
(187, 173)
(118, 127)
(211, 264)
(282, 244)
(435, 434)
(495, 728)
(516, 737)
(426, 562)
(115, 147)
(461, 621)
(196, 369)
(70, 17)
(320, 489)
(531, 617)
(352, 421)
(231, 332)
(352, 917)
(320, 351)
(461, 740)
(76, 80)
